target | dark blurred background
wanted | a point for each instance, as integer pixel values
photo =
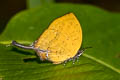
(8, 8)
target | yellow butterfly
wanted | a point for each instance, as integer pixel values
(60, 42)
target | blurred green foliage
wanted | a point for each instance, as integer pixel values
(35, 3)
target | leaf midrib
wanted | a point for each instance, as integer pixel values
(102, 62)
(85, 55)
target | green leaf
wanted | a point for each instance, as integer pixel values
(101, 31)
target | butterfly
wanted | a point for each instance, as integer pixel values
(60, 42)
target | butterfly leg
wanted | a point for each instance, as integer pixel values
(76, 57)
(79, 53)
(47, 54)
(67, 61)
